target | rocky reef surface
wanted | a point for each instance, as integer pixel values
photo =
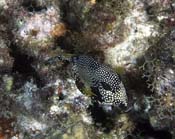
(135, 38)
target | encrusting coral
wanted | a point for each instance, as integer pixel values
(94, 26)
(43, 101)
(159, 72)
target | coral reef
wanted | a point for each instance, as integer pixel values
(140, 28)
(6, 61)
(33, 26)
(41, 101)
(159, 73)
(94, 26)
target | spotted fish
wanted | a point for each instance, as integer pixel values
(105, 83)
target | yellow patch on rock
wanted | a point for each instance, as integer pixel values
(58, 30)
(93, 2)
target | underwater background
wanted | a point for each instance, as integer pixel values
(109, 52)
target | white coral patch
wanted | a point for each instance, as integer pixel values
(86, 118)
(31, 125)
(41, 23)
(26, 98)
(127, 52)
(72, 96)
(1, 61)
(55, 109)
(2, 3)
